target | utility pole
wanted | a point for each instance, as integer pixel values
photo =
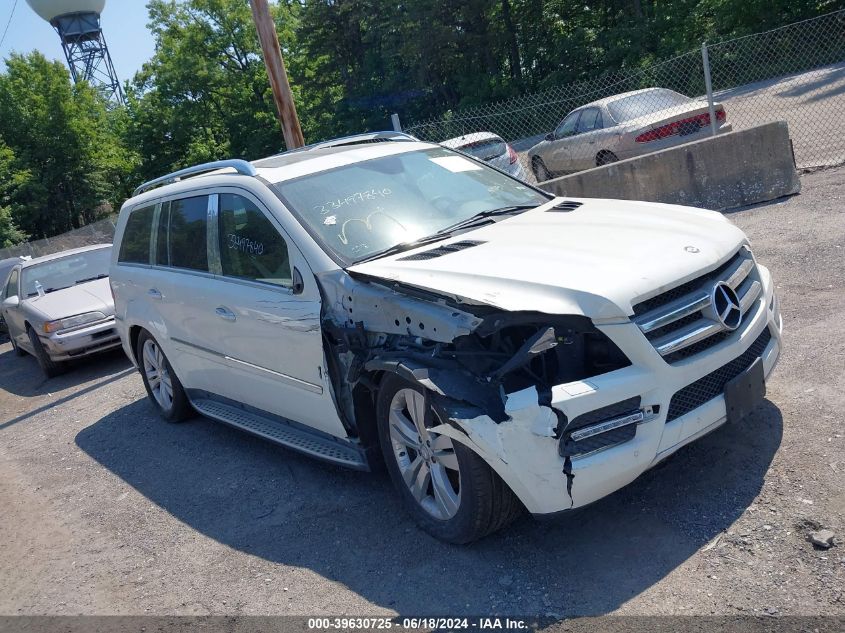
(277, 74)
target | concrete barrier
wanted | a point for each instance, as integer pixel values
(723, 172)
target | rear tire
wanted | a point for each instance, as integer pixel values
(449, 490)
(605, 157)
(162, 385)
(541, 172)
(50, 367)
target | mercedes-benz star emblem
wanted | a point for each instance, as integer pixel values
(691, 249)
(726, 305)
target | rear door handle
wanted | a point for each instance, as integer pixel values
(154, 294)
(225, 313)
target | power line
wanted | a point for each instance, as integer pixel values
(8, 24)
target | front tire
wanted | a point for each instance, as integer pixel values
(449, 490)
(50, 367)
(18, 351)
(541, 172)
(161, 383)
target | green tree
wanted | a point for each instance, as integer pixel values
(9, 233)
(62, 156)
(204, 95)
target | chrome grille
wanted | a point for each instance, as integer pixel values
(684, 321)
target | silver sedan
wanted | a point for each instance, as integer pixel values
(60, 306)
(620, 127)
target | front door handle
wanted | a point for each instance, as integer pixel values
(154, 294)
(225, 313)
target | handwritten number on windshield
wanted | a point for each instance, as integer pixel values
(353, 199)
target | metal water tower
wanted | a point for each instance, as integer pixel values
(78, 24)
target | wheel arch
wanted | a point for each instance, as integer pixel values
(364, 396)
(366, 393)
(134, 334)
(605, 153)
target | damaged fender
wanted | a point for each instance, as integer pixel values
(527, 438)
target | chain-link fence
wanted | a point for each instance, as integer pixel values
(794, 73)
(101, 232)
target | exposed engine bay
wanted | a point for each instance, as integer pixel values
(466, 355)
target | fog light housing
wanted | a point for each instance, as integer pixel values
(601, 428)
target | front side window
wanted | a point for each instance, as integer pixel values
(250, 246)
(358, 210)
(181, 240)
(567, 127)
(64, 272)
(12, 285)
(590, 120)
(135, 247)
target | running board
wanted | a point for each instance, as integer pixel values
(280, 431)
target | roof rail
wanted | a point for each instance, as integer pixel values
(241, 166)
(365, 137)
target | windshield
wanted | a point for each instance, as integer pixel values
(66, 271)
(361, 209)
(644, 103)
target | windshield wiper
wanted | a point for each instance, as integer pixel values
(479, 218)
(401, 248)
(100, 276)
(54, 289)
(484, 217)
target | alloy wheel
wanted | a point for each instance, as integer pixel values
(427, 460)
(158, 377)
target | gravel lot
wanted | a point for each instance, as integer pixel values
(106, 509)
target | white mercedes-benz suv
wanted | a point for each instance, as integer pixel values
(384, 299)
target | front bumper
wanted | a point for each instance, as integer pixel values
(83, 341)
(524, 449)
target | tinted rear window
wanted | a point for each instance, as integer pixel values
(485, 150)
(135, 247)
(644, 103)
(185, 245)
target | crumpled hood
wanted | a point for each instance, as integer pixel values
(598, 260)
(91, 296)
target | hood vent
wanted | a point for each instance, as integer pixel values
(440, 251)
(565, 207)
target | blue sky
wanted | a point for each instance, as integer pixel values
(124, 24)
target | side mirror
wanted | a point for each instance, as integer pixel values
(11, 302)
(550, 136)
(298, 282)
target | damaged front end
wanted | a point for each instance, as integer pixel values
(488, 373)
